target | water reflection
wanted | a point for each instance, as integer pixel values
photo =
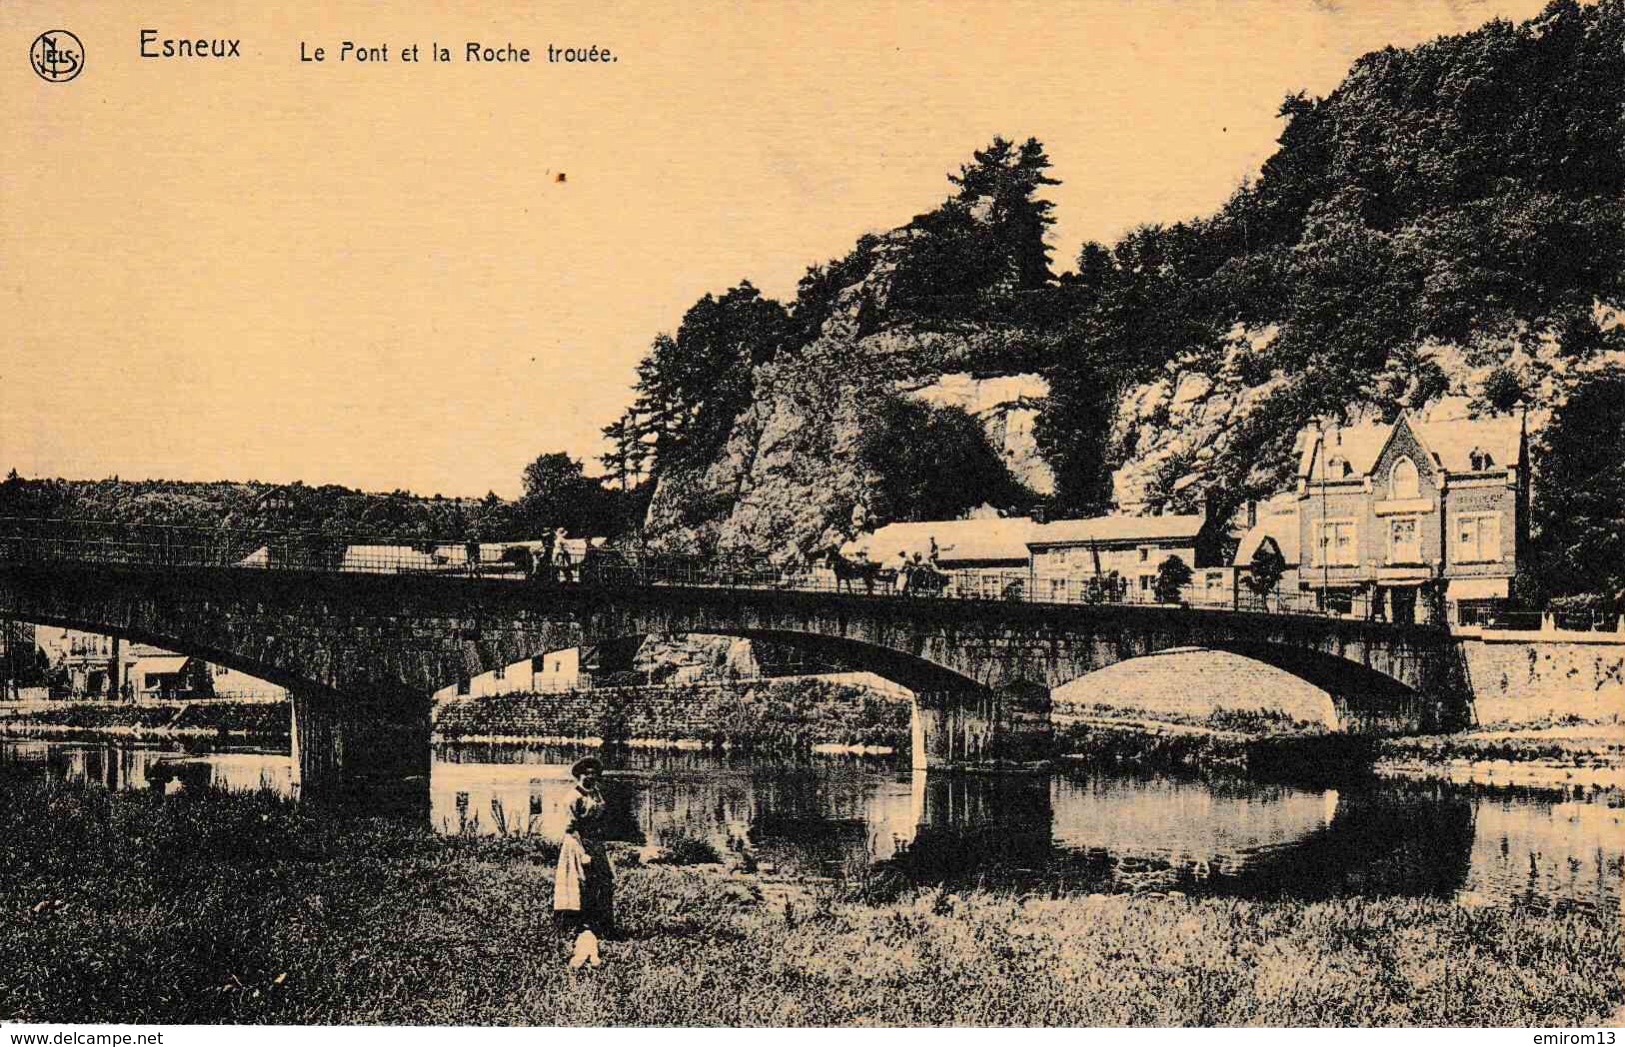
(1105, 832)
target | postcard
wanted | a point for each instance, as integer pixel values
(811, 515)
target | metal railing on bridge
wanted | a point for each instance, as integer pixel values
(1500, 617)
(43, 541)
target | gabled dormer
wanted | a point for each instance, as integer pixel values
(1407, 476)
(1338, 454)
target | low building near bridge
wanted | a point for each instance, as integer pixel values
(1056, 560)
(986, 554)
(547, 673)
(1274, 532)
(1069, 554)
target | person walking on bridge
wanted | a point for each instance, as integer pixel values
(561, 555)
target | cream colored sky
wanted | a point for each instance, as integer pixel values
(267, 269)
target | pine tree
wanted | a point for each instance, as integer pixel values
(1006, 180)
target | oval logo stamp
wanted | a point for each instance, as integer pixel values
(57, 56)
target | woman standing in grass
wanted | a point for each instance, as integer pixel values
(584, 886)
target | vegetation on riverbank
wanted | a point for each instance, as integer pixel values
(244, 908)
(1562, 752)
(259, 719)
(764, 716)
(1230, 743)
(1534, 754)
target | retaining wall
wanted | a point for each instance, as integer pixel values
(1520, 680)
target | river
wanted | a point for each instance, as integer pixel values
(872, 820)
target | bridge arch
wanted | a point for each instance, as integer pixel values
(1196, 683)
(234, 660)
(914, 672)
(1326, 689)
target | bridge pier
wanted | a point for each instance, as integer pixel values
(366, 753)
(979, 727)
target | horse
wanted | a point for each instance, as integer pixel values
(848, 572)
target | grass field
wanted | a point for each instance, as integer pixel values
(245, 908)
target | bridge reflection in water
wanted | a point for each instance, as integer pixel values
(1076, 832)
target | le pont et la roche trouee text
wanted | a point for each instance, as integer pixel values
(155, 46)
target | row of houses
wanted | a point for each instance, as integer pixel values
(108, 667)
(1392, 516)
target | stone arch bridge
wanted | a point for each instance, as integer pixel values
(361, 652)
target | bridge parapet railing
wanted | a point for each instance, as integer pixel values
(1503, 618)
(103, 542)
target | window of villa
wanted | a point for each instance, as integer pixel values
(464, 685)
(1337, 543)
(1405, 540)
(1404, 482)
(1145, 554)
(1478, 538)
(501, 672)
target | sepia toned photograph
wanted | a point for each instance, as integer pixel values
(836, 513)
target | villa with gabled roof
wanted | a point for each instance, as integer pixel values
(1429, 510)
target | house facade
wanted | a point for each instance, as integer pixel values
(1068, 554)
(984, 556)
(543, 674)
(1415, 518)
(1274, 531)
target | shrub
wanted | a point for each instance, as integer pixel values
(1173, 574)
(688, 850)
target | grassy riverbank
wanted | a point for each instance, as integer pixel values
(217, 908)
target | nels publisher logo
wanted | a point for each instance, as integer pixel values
(57, 56)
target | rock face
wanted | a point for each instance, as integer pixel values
(1200, 427)
(1007, 406)
(1169, 433)
(791, 474)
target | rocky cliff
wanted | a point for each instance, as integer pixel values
(1448, 223)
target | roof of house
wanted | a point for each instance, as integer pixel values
(1117, 529)
(167, 664)
(1281, 527)
(1453, 442)
(958, 541)
(1450, 440)
(1358, 445)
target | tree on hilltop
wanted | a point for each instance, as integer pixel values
(987, 240)
(693, 385)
